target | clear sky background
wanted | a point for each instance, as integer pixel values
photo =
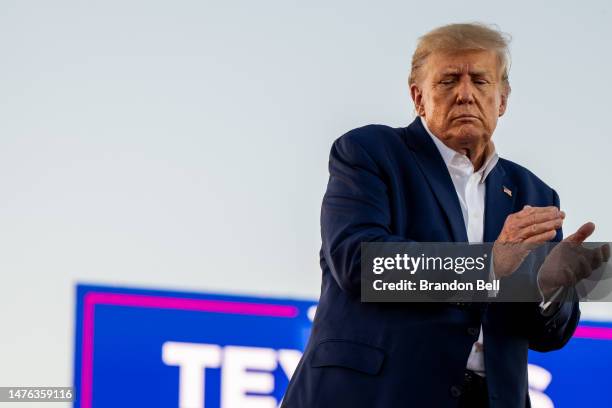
(184, 144)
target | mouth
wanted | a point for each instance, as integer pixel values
(466, 117)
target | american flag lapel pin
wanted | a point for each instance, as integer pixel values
(507, 191)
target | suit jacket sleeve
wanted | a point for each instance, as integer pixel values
(553, 331)
(355, 209)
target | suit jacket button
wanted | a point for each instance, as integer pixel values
(455, 391)
(472, 331)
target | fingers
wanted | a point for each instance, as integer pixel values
(597, 256)
(570, 262)
(545, 236)
(537, 215)
(535, 224)
(583, 270)
(581, 234)
(548, 229)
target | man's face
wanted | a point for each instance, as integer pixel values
(460, 95)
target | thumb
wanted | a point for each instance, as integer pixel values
(581, 234)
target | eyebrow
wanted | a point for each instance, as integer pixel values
(455, 72)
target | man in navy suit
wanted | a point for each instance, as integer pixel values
(437, 180)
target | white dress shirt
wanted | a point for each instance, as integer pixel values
(470, 187)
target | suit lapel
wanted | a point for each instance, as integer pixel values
(499, 202)
(434, 169)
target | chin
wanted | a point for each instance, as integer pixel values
(467, 136)
(469, 132)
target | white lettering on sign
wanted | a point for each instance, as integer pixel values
(192, 359)
(244, 371)
(288, 360)
(236, 381)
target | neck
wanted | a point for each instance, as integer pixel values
(478, 155)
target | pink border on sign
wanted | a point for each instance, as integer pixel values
(92, 299)
(593, 333)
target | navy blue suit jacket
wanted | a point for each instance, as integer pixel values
(391, 185)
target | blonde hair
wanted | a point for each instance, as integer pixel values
(463, 37)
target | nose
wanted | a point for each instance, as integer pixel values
(465, 90)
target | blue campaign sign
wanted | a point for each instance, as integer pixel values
(142, 348)
(578, 374)
(145, 348)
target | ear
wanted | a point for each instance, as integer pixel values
(503, 104)
(417, 98)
